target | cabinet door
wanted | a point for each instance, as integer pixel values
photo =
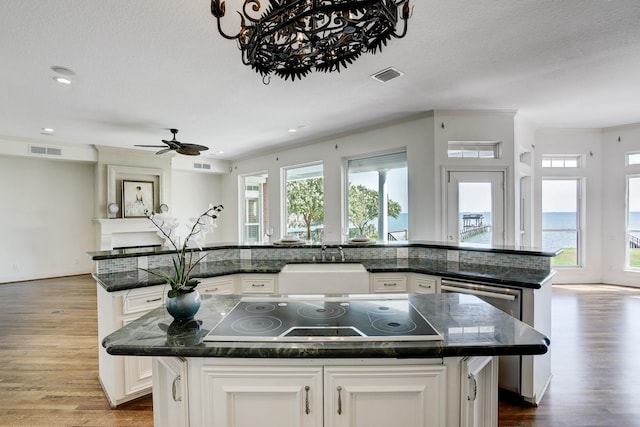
(479, 390)
(170, 397)
(381, 396)
(262, 396)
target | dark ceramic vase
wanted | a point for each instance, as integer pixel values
(184, 306)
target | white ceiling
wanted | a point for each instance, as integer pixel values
(146, 65)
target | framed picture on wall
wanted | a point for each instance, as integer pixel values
(137, 198)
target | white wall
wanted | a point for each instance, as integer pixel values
(585, 142)
(46, 226)
(192, 193)
(414, 135)
(615, 143)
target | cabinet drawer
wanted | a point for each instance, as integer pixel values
(224, 286)
(142, 300)
(425, 285)
(258, 285)
(393, 283)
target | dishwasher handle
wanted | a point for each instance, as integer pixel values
(506, 295)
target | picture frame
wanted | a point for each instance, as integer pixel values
(137, 199)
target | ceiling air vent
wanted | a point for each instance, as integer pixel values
(205, 166)
(387, 74)
(45, 151)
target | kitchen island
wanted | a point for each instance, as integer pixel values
(451, 381)
(125, 291)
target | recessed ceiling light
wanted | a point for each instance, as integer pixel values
(62, 80)
(47, 130)
(62, 70)
(293, 130)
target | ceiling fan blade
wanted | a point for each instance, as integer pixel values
(166, 150)
(150, 146)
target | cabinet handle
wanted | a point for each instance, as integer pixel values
(472, 377)
(258, 285)
(339, 400)
(425, 286)
(174, 389)
(154, 299)
(211, 290)
(389, 284)
(306, 400)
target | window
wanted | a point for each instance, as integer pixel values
(633, 158)
(473, 149)
(377, 197)
(561, 161)
(633, 222)
(255, 219)
(561, 220)
(304, 202)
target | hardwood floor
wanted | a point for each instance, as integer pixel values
(49, 360)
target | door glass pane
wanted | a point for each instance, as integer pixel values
(633, 222)
(560, 220)
(475, 216)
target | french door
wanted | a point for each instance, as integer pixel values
(475, 207)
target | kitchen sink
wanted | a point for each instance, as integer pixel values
(323, 278)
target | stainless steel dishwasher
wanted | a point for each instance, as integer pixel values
(507, 299)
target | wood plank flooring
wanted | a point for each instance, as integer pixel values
(49, 360)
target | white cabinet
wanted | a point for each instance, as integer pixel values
(479, 392)
(170, 397)
(295, 395)
(258, 284)
(394, 283)
(124, 378)
(424, 284)
(243, 396)
(382, 396)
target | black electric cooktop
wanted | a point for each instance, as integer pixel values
(323, 319)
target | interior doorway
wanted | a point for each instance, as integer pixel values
(475, 207)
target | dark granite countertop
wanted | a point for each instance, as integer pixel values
(469, 326)
(505, 276)
(505, 249)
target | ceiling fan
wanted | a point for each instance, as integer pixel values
(180, 147)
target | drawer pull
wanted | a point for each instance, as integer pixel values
(258, 285)
(154, 299)
(425, 286)
(211, 290)
(390, 284)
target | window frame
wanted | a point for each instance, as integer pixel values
(284, 208)
(580, 212)
(628, 231)
(243, 206)
(474, 147)
(346, 183)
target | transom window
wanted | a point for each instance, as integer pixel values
(633, 158)
(473, 149)
(561, 161)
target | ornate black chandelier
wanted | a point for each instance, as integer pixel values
(293, 37)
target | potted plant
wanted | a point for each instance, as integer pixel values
(183, 300)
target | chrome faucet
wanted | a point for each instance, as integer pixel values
(324, 250)
(341, 253)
